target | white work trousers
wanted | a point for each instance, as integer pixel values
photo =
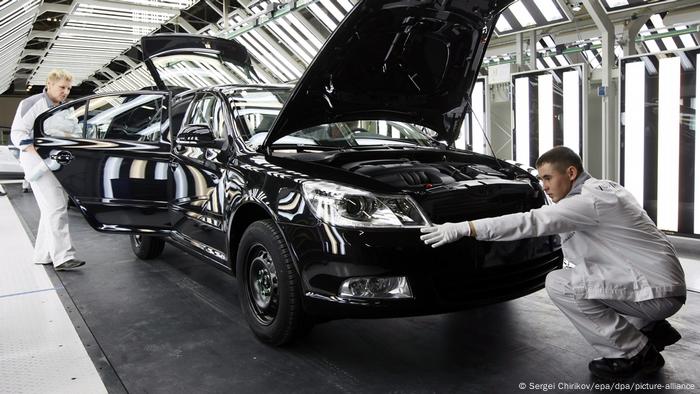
(612, 327)
(53, 241)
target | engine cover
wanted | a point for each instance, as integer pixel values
(401, 173)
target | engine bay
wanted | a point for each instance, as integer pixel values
(408, 173)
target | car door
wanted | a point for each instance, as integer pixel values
(198, 181)
(111, 159)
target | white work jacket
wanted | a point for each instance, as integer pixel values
(618, 251)
(22, 131)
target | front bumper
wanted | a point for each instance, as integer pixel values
(453, 277)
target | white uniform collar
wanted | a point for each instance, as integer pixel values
(578, 184)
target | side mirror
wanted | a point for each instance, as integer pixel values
(198, 135)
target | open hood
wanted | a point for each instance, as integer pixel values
(406, 60)
(188, 61)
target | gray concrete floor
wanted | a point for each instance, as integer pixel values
(174, 325)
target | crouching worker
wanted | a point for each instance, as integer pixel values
(53, 244)
(627, 279)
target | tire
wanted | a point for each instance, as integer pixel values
(146, 247)
(269, 287)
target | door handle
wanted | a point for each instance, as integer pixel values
(62, 157)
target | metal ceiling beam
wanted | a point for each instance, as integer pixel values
(127, 60)
(53, 7)
(33, 52)
(182, 22)
(108, 72)
(214, 7)
(629, 37)
(48, 35)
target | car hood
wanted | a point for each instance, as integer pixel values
(182, 60)
(412, 60)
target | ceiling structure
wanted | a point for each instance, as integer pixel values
(97, 40)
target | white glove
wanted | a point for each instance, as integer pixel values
(62, 124)
(40, 168)
(444, 233)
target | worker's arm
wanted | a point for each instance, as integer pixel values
(570, 214)
(22, 133)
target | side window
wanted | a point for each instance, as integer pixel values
(178, 111)
(125, 117)
(206, 110)
(209, 110)
(67, 122)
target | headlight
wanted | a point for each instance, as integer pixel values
(349, 207)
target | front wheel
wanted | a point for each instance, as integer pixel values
(146, 247)
(269, 285)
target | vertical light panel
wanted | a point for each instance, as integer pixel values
(669, 130)
(634, 129)
(522, 120)
(545, 112)
(696, 196)
(572, 110)
(461, 141)
(478, 122)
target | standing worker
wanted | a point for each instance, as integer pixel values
(627, 279)
(53, 243)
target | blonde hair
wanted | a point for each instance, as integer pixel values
(58, 74)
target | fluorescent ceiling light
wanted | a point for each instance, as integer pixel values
(321, 15)
(522, 14)
(549, 10)
(333, 10)
(502, 24)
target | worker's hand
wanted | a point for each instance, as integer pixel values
(30, 149)
(444, 233)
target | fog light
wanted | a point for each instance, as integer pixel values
(391, 288)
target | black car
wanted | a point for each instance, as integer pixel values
(312, 196)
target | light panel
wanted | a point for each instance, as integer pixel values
(696, 195)
(635, 80)
(669, 120)
(545, 112)
(478, 117)
(555, 96)
(522, 120)
(572, 110)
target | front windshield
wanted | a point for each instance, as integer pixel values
(361, 133)
(256, 112)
